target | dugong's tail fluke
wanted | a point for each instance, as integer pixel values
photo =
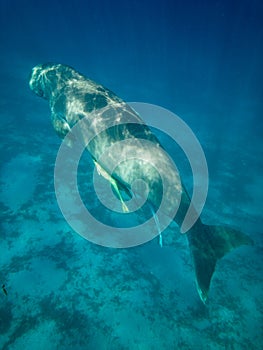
(207, 245)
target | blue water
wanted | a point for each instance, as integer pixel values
(201, 60)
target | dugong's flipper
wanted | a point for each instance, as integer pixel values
(207, 245)
(62, 128)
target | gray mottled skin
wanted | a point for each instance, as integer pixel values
(73, 97)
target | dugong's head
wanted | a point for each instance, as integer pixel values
(48, 79)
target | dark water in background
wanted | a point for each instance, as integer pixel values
(203, 61)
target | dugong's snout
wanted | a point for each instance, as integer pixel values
(35, 81)
(49, 78)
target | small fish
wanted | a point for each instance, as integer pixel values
(4, 289)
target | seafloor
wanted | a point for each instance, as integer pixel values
(67, 293)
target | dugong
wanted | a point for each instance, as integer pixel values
(73, 97)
